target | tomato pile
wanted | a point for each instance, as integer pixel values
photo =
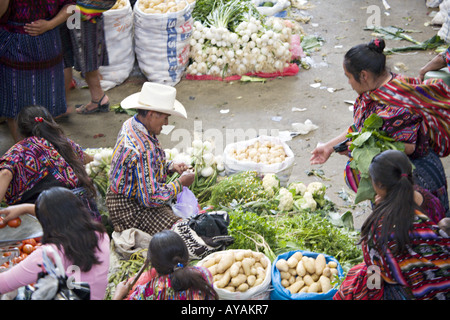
(14, 223)
(25, 247)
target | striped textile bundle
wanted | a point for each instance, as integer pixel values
(91, 9)
(430, 99)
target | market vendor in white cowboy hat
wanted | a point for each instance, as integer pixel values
(139, 195)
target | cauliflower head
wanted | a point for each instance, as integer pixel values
(298, 187)
(286, 200)
(271, 184)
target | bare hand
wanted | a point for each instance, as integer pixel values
(17, 210)
(187, 179)
(122, 289)
(180, 167)
(37, 27)
(320, 154)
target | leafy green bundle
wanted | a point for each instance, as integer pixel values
(366, 144)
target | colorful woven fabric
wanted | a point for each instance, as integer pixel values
(30, 161)
(423, 271)
(20, 12)
(126, 213)
(139, 168)
(430, 99)
(92, 9)
(424, 268)
(160, 288)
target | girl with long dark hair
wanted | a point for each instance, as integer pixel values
(67, 227)
(44, 158)
(404, 251)
(171, 278)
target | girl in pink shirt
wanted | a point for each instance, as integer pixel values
(68, 227)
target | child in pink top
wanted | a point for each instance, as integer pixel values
(64, 221)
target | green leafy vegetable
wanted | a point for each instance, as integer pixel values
(365, 146)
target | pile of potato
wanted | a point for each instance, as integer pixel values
(266, 152)
(161, 6)
(119, 4)
(237, 270)
(300, 273)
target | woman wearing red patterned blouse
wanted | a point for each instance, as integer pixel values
(44, 158)
(413, 112)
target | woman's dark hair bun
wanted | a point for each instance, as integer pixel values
(377, 45)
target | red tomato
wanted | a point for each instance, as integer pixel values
(16, 260)
(14, 223)
(2, 224)
(30, 241)
(27, 248)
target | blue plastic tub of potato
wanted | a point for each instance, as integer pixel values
(281, 293)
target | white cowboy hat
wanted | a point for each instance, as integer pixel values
(155, 97)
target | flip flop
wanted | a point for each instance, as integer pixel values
(100, 107)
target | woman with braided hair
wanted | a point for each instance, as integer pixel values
(44, 158)
(170, 277)
(413, 112)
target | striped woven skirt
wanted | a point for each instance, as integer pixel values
(127, 213)
(31, 72)
(85, 47)
(429, 174)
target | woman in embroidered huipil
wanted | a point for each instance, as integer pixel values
(406, 255)
(31, 60)
(413, 112)
(44, 158)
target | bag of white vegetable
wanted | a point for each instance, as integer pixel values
(265, 154)
(161, 32)
(304, 275)
(277, 6)
(239, 274)
(118, 26)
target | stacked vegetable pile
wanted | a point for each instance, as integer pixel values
(260, 152)
(237, 270)
(25, 248)
(98, 169)
(201, 156)
(162, 6)
(232, 38)
(306, 274)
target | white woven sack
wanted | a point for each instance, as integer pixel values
(259, 292)
(283, 170)
(162, 43)
(118, 26)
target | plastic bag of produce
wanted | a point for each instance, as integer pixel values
(186, 205)
(162, 43)
(255, 284)
(118, 26)
(281, 292)
(264, 154)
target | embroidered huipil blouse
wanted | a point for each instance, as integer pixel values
(32, 159)
(139, 168)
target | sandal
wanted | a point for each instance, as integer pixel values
(81, 109)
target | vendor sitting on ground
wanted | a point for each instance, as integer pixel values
(138, 196)
(44, 158)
